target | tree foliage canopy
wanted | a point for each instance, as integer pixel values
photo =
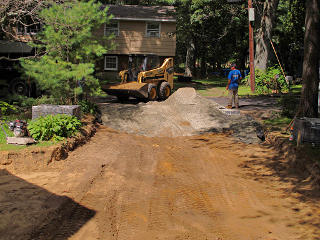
(289, 35)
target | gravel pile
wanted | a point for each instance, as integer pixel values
(184, 113)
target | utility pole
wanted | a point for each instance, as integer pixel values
(251, 42)
(251, 45)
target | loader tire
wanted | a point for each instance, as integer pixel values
(19, 87)
(152, 92)
(122, 98)
(164, 90)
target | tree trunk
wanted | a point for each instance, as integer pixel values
(203, 66)
(189, 66)
(309, 95)
(264, 34)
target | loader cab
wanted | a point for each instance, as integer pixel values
(152, 62)
(140, 63)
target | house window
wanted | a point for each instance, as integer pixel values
(111, 63)
(153, 29)
(29, 29)
(112, 28)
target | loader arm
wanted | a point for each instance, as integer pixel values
(123, 76)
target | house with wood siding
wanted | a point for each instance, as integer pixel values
(137, 30)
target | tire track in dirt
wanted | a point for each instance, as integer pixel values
(197, 195)
(174, 188)
(184, 188)
(118, 201)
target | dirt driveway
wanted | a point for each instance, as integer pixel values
(122, 186)
(125, 186)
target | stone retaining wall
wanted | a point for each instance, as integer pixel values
(45, 109)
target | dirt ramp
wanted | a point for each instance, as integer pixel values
(184, 113)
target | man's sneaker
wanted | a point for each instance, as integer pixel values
(229, 107)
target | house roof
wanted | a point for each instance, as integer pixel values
(142, 13)
(14, 47)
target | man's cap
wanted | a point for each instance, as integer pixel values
(233, 65)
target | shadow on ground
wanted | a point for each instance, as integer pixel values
(299, 177)
(199, 85)
(31, 212)
(292, 165)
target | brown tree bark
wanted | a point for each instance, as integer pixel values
(203, 66)
(264, 33)
(189, 65)
(309, 94)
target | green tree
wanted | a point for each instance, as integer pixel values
(289, 35)
(203, 26)
(68, 49)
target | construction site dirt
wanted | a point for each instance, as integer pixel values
(125, 186)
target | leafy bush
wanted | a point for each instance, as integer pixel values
(47, 100)
(28, 102)
(6, 108)
(21, 101)
(270, 81)
(53, 127)
(88, 107)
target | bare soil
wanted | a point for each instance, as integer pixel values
(126, 186)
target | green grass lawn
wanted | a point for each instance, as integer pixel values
(3, 141)
(10, 147)
(279, 123)
(213, 87)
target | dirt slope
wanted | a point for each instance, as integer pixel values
(122, 186)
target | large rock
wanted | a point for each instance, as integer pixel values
(46, 109)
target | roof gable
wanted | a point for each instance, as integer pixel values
(142, 13)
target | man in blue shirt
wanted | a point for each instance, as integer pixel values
(233, 83)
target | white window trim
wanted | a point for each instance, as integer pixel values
(105, 63)
(153, 36)
(25, 32)
(105, 26)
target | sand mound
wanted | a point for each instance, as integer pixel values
(184, 113)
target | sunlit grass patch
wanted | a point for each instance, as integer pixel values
(280, 122)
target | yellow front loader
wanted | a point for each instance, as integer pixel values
(144, 79)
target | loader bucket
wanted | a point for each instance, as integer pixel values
(132, 89)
